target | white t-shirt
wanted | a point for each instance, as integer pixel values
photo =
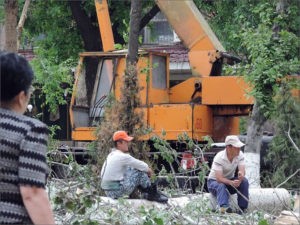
(116, 164)
(221, 163)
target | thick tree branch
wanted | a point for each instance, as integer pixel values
(149, 16)
(89, 33)
(22, 21)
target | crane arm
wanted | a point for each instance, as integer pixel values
(105, 25)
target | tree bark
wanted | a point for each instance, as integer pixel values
(135, 19)
(11, 15)
(130, 98)
(253, 146)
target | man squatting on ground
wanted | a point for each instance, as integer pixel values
(23, 147)
(221, 179)
(121, 173)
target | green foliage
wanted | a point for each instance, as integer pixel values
(171, 155)
(266, 39)
(50, 76)
(271, 56)
(52, 143)
(49, 27)
(243, 125)
(282, 154)
(2, 13)
(167, 152)
(152, 216)
(226, 19)
(263, 222)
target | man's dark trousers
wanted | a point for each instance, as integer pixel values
(222, 192)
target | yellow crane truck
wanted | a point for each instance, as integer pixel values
(204, 104)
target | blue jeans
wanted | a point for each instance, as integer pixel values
(132, 179)
(222, 192)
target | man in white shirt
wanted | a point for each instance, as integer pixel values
(121, 173)
(222, 180)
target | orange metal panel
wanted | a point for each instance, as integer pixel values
(172, 118)
(225, 90)
(176, 119)
(202, 122)
(84, 134)
(200, 64)
(182, 93)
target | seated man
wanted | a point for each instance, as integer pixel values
(221, 179)
(121, 173)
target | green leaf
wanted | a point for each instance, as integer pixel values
(70, 205)
(158, 221)
(263, 222)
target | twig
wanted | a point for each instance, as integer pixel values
(192, 222)
(174, 174)
(291, 140)
(288, 178)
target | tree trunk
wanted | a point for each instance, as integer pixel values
(135, 19)
(271, 200)
(11, 15)
(253, 146)
(130, 98)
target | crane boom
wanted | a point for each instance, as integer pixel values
(105, 25)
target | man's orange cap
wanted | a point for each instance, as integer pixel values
(121, 135)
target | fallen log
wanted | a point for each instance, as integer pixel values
(288, 218)
(271, 200)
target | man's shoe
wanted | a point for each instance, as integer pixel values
(152, 194)
(158, 197)
(224, 210)
(241, 211)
